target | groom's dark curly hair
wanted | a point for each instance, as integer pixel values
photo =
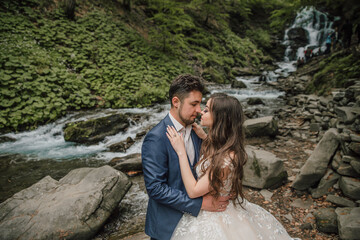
(183, 84)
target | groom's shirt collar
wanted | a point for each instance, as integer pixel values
(178, 126)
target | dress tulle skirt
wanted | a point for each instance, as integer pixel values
(250, 222)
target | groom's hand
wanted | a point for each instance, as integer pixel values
(214, 205)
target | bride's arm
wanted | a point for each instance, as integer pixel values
(193, 188)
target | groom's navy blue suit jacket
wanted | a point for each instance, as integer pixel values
(168, 199)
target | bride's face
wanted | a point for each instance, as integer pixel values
(206, 117)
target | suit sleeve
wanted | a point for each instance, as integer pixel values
(155, 167)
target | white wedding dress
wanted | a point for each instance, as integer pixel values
(248, 223)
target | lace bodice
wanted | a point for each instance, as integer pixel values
(249, 222)
(225, 190)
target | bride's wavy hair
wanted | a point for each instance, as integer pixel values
(225, 139)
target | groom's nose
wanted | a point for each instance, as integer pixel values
(198, 109)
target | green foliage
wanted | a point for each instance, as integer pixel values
(50, 64)
(211, 10)
(169, 23)
(284, 13)
(260, 37)
(334, 72)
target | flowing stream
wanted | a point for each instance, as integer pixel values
(41, 152)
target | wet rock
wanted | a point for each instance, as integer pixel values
(348, 222)
(340, 201)
(122, 146)
(263, 169)
(75, 207)
(316, 165)
(128, 163)
(4, 139)
(350, 187)
(238, 84)
(265, 126)
(95, 130)
(255, 101)
(326, 220)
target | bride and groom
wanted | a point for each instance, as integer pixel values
(193, 178)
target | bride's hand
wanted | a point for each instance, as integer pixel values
(176, 140)
(199, 131)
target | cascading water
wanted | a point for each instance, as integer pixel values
(316, 25)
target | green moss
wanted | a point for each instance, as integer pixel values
(334, 72)
(256, 166)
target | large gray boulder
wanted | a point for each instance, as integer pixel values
(316, 165)
(75, 207)
(95, 130)
(348, 222)
(263, 169)
(264, 126)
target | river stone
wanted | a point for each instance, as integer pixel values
(95, 130)
(128, 163)
(4, 139)
(346, 169)
(316, 165)
(356, 165)
(264, 126)
(238, 84)
(122, 146)
(340, 201)
(326, 220)
(350, 187)
(263, 169)
(255, 101)
(329, 179)
(347, 114)
(75, 207)
(355, 147)
(348, 222)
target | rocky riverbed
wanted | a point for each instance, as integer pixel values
(316, 144)
(319, 211)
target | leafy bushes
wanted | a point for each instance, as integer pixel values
(50, 64)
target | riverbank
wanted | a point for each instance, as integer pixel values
(303, 121)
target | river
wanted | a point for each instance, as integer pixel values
(41, 152)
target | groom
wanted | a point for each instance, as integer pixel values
(168, 199)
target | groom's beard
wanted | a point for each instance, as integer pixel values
(183, 119)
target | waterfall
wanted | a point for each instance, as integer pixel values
(316, 26)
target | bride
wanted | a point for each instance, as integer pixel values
(220, 172)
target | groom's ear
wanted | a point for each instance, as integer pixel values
(175, 102)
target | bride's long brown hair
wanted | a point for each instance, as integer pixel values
(225, 140)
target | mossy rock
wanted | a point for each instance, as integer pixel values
(95, 130)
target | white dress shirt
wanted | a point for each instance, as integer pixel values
(186, 131)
